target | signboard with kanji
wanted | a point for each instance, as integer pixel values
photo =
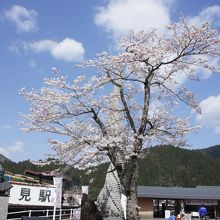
(32, 195)
(201, 202)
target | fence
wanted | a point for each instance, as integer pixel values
(61, 214)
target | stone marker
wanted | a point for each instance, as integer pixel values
(4, 194)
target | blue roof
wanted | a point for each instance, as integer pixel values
(199, 192)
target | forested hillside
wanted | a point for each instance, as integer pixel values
(213, 151)
(20, 167)
(173, 166)
(161, 166)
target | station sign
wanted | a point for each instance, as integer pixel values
(32, 195)
(201, 202)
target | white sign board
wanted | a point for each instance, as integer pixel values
(32, 195)
(201, 202)
(167, 214)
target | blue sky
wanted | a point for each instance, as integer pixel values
(39, 35)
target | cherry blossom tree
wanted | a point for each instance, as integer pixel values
(128, 105)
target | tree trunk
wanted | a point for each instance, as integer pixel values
(130, 183)
(89, 210)
(132, 204)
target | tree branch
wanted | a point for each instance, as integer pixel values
(127, 112)
(99, 122)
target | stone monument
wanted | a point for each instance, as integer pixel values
(110, 198)
(4, 194)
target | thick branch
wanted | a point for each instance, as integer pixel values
(127, 112)
(99, 122)
(144, 117)
(126, 108)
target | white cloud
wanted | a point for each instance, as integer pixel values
(5, 127)
(121, 16)
(4, 152)
(25, 20)
(41, 46)
(12, 149)
(210, 14)
(32, 63)
(14, 47)
(16, 147)
(206, 73)
(210, 116)
(68, 50)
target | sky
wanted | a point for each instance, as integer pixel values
(39, 35)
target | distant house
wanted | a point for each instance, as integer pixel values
(154, 201)
(45, 177)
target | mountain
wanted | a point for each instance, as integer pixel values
(169, 166)
(174, 166)
(3, 158)
(213, 151)
(161, 166)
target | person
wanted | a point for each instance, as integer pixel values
(180, 216)
(202, 212)
(172, 216)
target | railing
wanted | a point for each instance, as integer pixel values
(61, 214)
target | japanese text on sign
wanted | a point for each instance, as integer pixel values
(32, 195)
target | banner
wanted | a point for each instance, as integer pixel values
(58, 184)
(124, 204)
(85, 190)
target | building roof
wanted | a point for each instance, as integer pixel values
(199, 192)
(45, 174)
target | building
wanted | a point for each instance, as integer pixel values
(154, 201)
(36, 188)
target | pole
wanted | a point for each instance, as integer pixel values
(215, 211)
(60, 213)
(54, 212)
(71, 213)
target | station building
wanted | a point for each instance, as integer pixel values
(155, 201)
